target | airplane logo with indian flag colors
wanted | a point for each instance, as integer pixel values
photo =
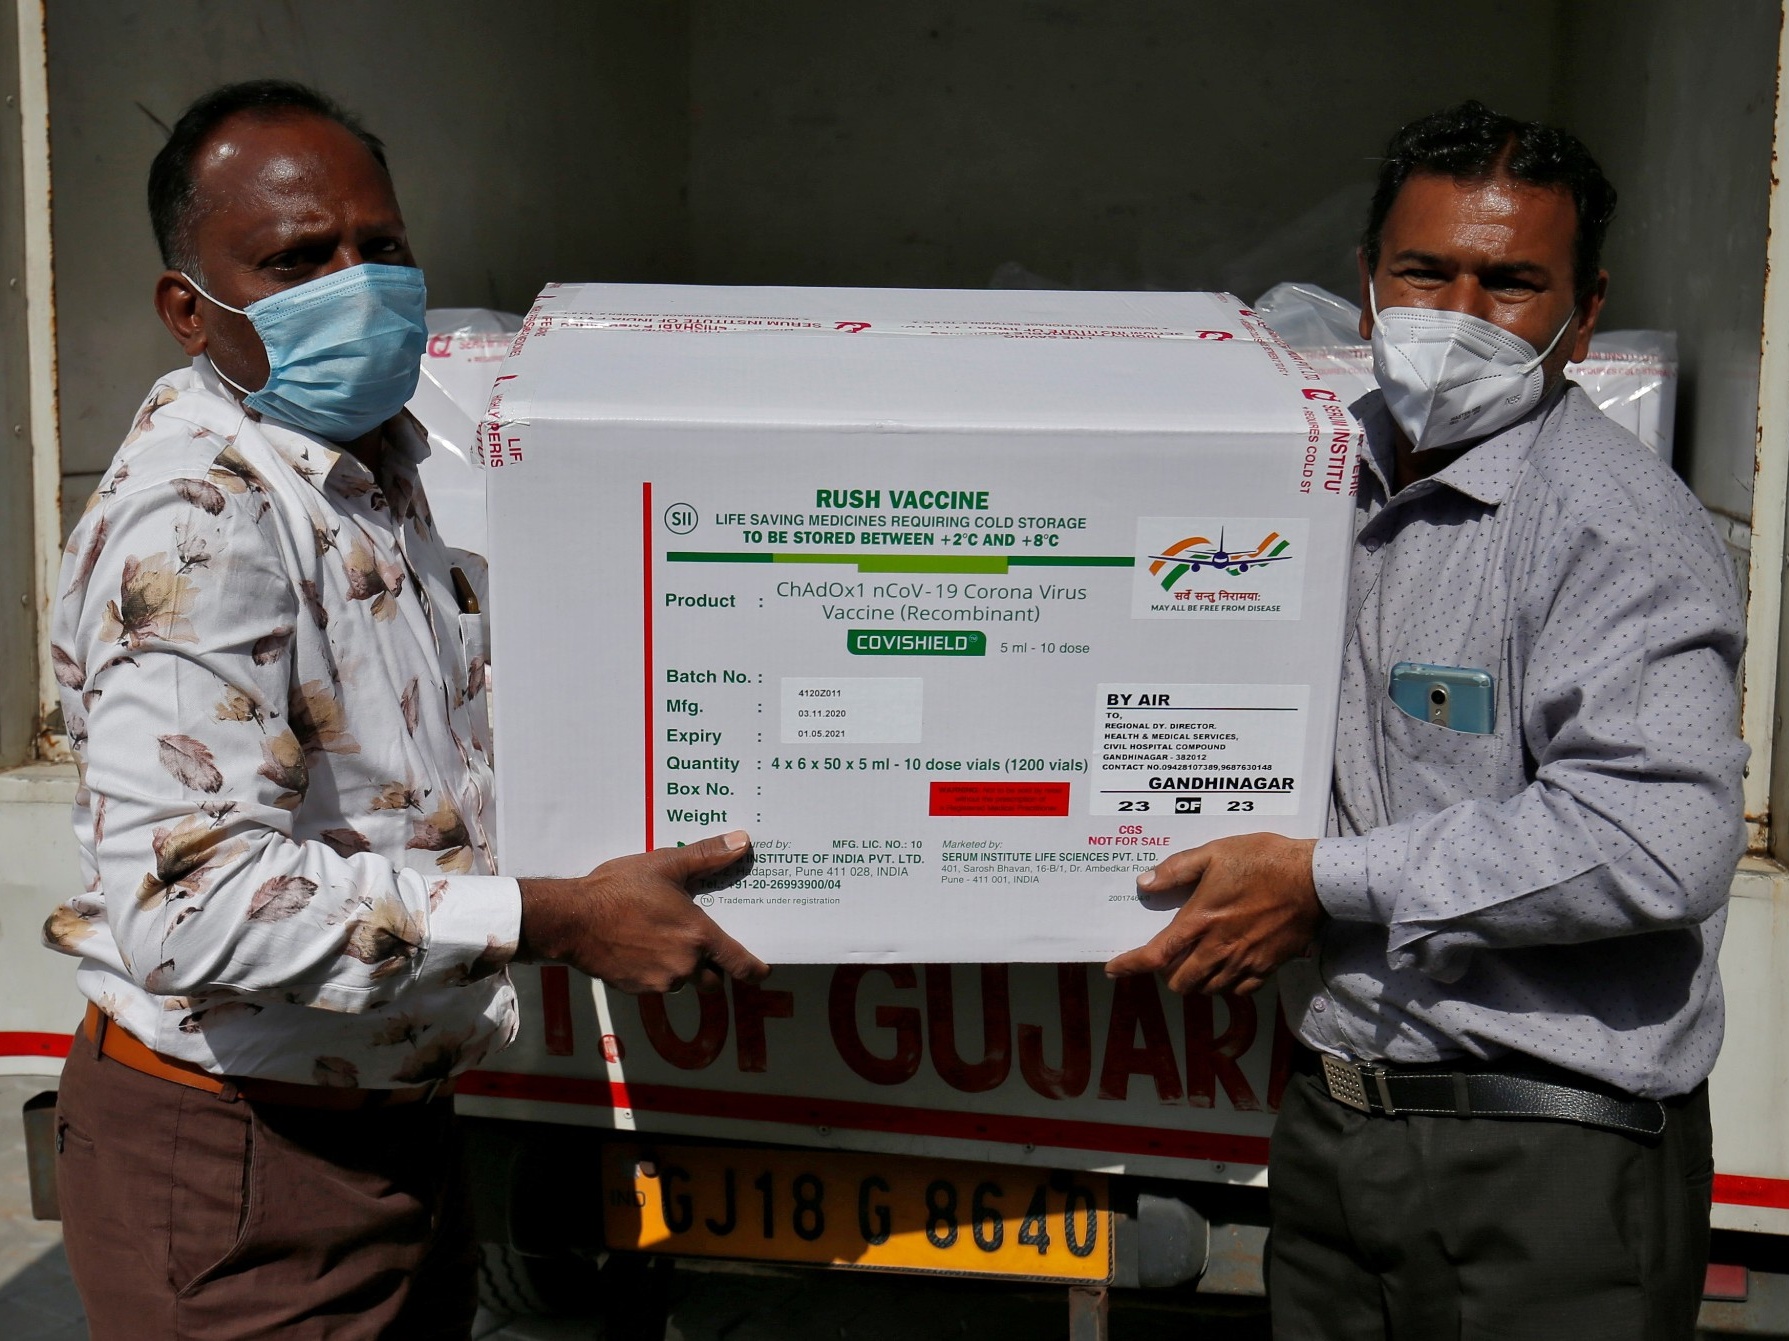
(1196, 552)
(1219, 567)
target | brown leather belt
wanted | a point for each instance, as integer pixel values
(113, 1040)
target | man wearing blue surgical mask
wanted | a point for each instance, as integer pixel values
(294, 933)
(1501, 962)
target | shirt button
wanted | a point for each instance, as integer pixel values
(1319, 1005)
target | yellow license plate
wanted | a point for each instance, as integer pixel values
(857, 1210)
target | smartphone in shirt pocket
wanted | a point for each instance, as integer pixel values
(1455, 697)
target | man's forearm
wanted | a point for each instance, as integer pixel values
(1538, 869)
(546, 919)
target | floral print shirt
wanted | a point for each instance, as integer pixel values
(278, 711)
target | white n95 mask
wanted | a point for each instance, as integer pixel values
(1448, 376)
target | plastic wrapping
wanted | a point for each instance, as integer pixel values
(1631, 375)
(465, 349)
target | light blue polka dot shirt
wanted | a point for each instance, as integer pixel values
(1557, 888)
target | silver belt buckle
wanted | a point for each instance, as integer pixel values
(1344, 1083)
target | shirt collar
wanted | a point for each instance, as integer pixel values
(1380, 448)
(406, 444)
(1486, 473)
(406, 439)
(309, 456)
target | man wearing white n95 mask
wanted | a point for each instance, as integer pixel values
(1510, 1002)
(294, 934)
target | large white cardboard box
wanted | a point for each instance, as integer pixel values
(968, 605)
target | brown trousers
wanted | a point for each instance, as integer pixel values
(188, 1217)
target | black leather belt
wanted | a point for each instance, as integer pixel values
(1435, 1091)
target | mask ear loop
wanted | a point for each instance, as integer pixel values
(222, 375)
(215, 302)
(1552, 344)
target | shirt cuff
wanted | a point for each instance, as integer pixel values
(1339, 871)
(473, 928)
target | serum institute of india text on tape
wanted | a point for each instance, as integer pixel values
(969, 606)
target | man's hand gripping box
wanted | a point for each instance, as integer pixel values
(968, 606)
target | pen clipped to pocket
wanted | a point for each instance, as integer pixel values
(1455, 697)
(475, 625)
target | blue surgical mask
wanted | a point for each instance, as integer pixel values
(343, 350)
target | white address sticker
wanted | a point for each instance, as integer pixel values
(1199, 749)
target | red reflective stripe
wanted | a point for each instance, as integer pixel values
(1730, 1189)
(1008, 1129)
(35, 1045)
(1735, 1189)
(646, 643)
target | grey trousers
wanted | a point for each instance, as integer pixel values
(1484, 1229)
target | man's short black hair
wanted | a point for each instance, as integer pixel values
(1470, 142)
(171, 189)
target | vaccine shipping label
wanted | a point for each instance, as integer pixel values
(965, 649)
(941, 713)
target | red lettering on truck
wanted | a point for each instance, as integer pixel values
(1136, 1003)
(841, 1012)
(687, 1054)
(1068, 1081)
(1211, 1060)
(751, 1007)
(932, 1021)
(996, 1030)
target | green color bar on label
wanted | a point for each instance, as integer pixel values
(1069, 561)
(916, 643)
(700, 556)
(934, 563)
